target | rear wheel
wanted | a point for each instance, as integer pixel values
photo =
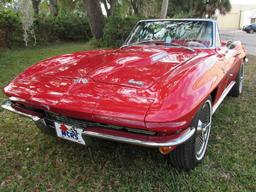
(187, 155)
(238, 87)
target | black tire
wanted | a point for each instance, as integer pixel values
(186, 156)
(238, 87)
(251, 31)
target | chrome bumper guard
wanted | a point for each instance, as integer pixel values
(8, 106)
(184, 136)
(173, 142)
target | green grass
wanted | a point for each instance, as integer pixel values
(30, 160)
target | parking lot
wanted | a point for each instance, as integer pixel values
(248, 39)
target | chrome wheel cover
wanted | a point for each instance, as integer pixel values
(203, 130)
(241, 79)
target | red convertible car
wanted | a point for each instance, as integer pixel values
(160, 89)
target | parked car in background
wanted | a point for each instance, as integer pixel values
(250, 28)
(160, 89)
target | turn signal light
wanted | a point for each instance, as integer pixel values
(166, 150)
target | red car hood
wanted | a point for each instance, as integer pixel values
(133, 67)
(115, 87)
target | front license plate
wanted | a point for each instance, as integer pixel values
(69, 133)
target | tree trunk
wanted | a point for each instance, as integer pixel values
(112, 7)
(109, 6)
(164, 9)
(35, 4)
(105, 3)
(135, 7)
(96, 18)
(54, 7)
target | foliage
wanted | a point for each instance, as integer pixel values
(223, 6)
(32, 161)
(64, 27)
(71, 22)
(142, 8)
(117, 30)
(10, 29)
(198, 8)
(27, 20)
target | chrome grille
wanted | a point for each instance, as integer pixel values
(52, 117)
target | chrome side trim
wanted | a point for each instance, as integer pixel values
(8, 106)
(222, 97)
(183, 138)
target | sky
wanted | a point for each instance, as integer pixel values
(243, 1)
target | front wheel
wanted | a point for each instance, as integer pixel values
(238, 87)
(187, 155)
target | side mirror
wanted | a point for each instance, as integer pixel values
(223, 43)
(230, 45)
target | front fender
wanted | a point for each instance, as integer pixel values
(181, 94)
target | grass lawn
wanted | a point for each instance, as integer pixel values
(32, 161)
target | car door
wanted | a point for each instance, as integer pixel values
(224, 66)
(232, 61)
(229, 56)
(222, 51)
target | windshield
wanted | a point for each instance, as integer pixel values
(173, 32)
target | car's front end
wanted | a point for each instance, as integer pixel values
(105, 95)
(156, 91)
(104, 127)
(249, 28)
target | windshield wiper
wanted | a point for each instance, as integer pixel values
(140, 42)
(152, 41)
(182, 46)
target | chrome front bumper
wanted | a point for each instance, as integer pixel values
(8, 106)
(142, 142)
(96, 133)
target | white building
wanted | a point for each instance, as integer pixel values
(242, 13)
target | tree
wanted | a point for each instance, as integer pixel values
(164, 9)
(109, 6)
(210, 7)
(95, 16)
(54, 7)
(144, 8)
(135, 6)
(198, 8)
(36, 4)
(27, 20)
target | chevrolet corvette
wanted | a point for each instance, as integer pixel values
(159, 90)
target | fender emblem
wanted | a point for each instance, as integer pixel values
(134, 82)
(81, 80)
